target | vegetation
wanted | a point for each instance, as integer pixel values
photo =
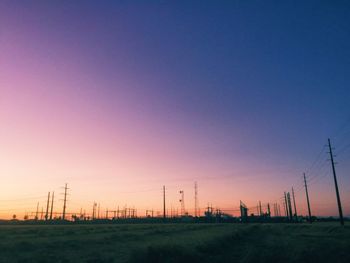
(322, 242)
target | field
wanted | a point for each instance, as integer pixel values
(322, 242)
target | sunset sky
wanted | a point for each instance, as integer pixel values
(118, 98)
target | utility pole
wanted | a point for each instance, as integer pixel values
(195, 199)
(307, 199)
(64, 202)
(37, 211)
(98, 211)
(94, 210)
(336, 185)
(182, 201)
(53, 196)
(286, 204)
(295, 207)
(279, 209)
(47, 207)
(289, 207)
(164, 213)
(260, 211)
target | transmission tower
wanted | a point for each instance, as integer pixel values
(182, 201)
(196, 199)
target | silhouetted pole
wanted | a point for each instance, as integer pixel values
(290, 206)
(295, 207)
(195, 199)
(37, 211)
(182, 201)
(98, 211)
(279, 209)
(307, 199)
(286, 205)
(47, 206)
(53, 196)
(336, 185)
(164, 213)
(64, 202)
(260, 211)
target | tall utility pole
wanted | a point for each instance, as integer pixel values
(37, 211)
(98, 211)
(93, 210)
(286, 205)
(53, 195)
(307, 199)
(289, 207)
(295, 207)
(182, 201)
(279, 209)
(195, 199)
(47, 207)
(64, 202)
(336, 185)
(260, 211)
(164, 212)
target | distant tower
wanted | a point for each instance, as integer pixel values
(196, 199)
(182, 201)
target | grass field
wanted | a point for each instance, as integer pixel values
(321, 242)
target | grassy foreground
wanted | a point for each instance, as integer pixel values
(175, 243)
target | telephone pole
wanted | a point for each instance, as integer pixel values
(64, 202)
(98, 211)
(182, 201)
(260, 211)
(286, 205)
(47, 207)
(94, 211)
(37, 211)
(295, 207)
(336, 185)
(53, 195)
(164, 213)
(195, 199)
(289, 207)
(307, 198)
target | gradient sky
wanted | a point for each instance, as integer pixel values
(118, 98)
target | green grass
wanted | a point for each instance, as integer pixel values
(175, 243)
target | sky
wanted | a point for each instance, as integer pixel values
(118, 98)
